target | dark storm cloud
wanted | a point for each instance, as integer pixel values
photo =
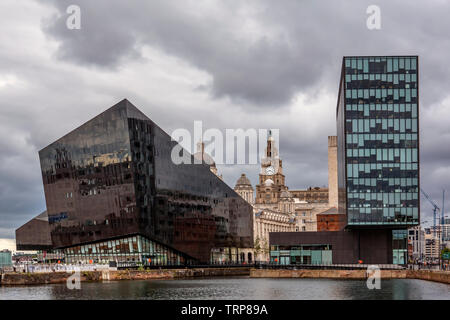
(19, 192)
(265, 67)
(259, 52)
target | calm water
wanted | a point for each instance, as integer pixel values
(235, 288)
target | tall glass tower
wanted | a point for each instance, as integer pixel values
(378, 142)
(378, 146)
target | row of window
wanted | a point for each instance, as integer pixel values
(380, 189)
(384, 196)
(387, 155)
(380, 64)
(390, 94)
(380, 79)
(406, 110)
(391, 220)
(375, 204)
(387, 168)
(381, 140)
(371, 185)
(382, 126)
(383, 212)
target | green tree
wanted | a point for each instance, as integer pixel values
(445, 251)
(257, 247)
(265, 247)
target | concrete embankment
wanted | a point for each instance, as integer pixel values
(61, 277)
(437, 276)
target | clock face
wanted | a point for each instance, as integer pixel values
(270, 170)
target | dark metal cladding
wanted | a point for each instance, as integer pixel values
(35, 234)
(347, 246)
(114, 177)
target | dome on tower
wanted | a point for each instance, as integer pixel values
(243, 181)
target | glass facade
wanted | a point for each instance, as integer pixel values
(399, 246)
(378, 141)
(5, 259)
(113, 177)
(136, 249)
(316, 254)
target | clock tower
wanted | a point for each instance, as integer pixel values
(271, 177)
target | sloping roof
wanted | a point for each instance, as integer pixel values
(332, 210)
(35, 234)
(243, 181)
(43, 216)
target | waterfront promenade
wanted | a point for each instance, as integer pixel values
(36, 278)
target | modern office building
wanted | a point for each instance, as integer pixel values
(378, 158)
(378, 141)
(416, 244)
(432, 239)
(5, 259)
(113, 193)
(378, 146)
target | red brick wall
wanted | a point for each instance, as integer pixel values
(330, 222)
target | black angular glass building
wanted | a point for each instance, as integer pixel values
(113, 194)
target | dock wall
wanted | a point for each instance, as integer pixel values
(61, 277)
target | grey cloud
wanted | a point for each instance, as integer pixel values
(102, 41)
(265, 70)
(297, 47)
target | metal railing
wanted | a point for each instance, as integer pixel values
(329, 266)
(47, 268)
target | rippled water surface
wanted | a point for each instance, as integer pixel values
(235, 288)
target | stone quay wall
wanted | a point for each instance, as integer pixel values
(104, 275)
(61, 277)
(437, 276)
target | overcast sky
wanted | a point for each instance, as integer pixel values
(231, 64)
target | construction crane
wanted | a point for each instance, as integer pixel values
(436, 209)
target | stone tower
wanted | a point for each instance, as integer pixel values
(271, 177)
(332, 172)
